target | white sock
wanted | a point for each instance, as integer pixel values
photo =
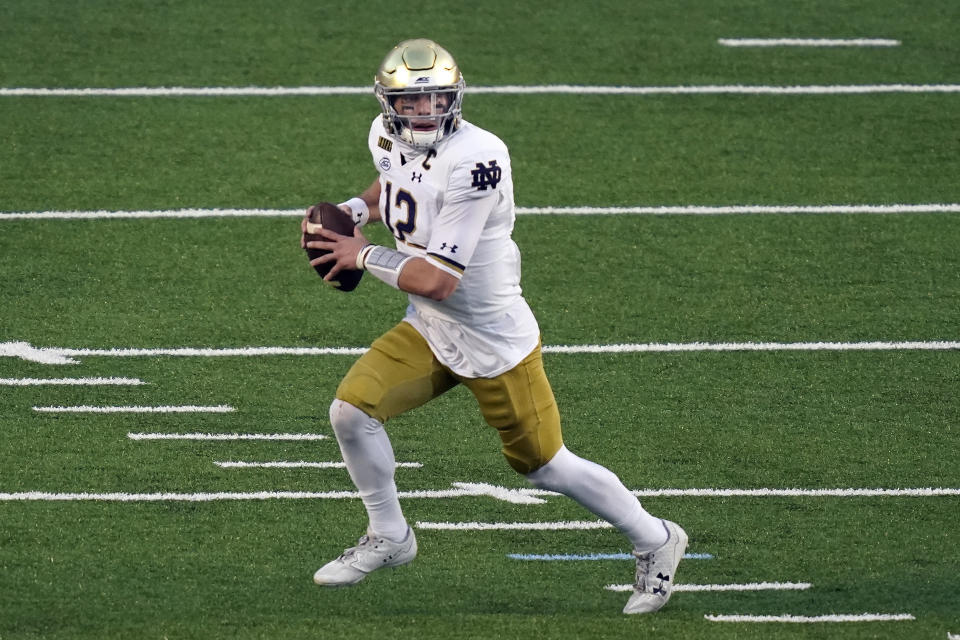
(367, 452)
(597, 489)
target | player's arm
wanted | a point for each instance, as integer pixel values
(407, 273)
(401, 271)
(422, 278)
(365, 207)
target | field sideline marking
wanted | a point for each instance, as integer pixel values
(466, 490)
(808, 42)
(859, 617)
(749, 586)
(221, 408)
(734, 89)
(61, 355)
(36, 382)
(699, 210)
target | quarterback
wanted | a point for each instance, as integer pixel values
(445, 192)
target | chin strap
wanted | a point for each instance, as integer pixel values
(382, 263)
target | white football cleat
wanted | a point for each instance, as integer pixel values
(371, 553)
(655, 572)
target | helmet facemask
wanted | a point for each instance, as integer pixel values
(421, 117)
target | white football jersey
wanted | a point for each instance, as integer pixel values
(453, 205)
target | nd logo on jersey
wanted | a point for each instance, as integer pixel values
(484, 176)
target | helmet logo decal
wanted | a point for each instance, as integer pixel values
(422, 80)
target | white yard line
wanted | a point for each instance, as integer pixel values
(749, 586)
(216, 352)
(428, 494)
(458, 490)
(222, 408)
(43, 496)
(160, 213)
(64, 355)
(36, 382)
(800, 493)
(747, 209)
(754, 346)
(558, 89)
(565, 525)
(590, 557)
(227, 436)
(697, 210)
(808, 42)
(859, 617)
(280, 464)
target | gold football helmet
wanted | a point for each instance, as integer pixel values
(420, 90)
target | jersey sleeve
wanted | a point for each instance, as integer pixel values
(377, 140)
(470, 197)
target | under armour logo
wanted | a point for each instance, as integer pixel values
(484, 176)
(416, 176)
(453, 248)
(659, 590)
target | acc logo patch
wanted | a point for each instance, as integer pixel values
(384, 164)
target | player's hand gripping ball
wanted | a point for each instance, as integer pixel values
(330, 216)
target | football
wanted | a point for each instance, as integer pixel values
(330, 216)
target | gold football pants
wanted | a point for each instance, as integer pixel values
(400, 373)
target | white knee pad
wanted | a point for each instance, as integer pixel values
(349, 423)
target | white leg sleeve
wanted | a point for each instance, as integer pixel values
(597, 489)
(366, 450)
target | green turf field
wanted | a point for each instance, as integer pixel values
(107, 531)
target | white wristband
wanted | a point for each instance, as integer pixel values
(362, 256)
(360, 210)
(382, 263)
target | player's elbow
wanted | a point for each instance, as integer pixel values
(424, 279)
(438, 285)
(442, 289)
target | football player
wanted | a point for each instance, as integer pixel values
(445, 192)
